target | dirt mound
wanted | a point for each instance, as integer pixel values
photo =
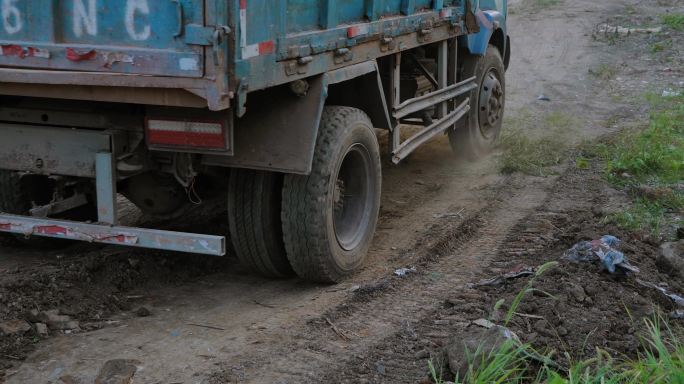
(88, 288)
(579, 307)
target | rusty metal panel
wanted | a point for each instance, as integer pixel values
(51, 150)
(279, 131)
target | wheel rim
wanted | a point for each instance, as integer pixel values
(353, 197)
(491, 103)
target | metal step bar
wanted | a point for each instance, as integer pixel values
(444, 98)
(427, 133)
(114, 235)
(433, 98)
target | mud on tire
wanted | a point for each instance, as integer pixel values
(254, 206)
(476, 135)
(329, 216)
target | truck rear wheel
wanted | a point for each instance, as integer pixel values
(254, 206)
(329, 217)
(477, 134)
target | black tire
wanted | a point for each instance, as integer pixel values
(15, 198)
(11, 199)
(254, 206)
(476, 135)
(329, 217)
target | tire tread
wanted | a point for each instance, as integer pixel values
(305, 241)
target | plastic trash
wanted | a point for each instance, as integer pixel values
(618, 29)
(677, 314)
(671, 93)
(604, 250)
(401, 272)
(672, 296)
(543, 97)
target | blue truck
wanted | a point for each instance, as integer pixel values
(272, 106)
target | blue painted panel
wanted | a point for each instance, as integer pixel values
(303, 15)
(424, 4)
(261, 17)
(139, 24)
(310, 15)
(127, 36)
(478, 42)
(349, 11)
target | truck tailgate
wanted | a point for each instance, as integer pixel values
(144, 37)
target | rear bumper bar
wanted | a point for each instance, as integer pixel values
(114, 235)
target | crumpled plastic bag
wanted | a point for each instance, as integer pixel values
(604, 250)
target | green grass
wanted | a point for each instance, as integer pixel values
(674, 21)
(644, 215)
(505, 365)
(653, 158)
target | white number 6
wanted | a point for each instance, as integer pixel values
(11, 17)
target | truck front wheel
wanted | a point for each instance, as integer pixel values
(476, 135)
(329, 217)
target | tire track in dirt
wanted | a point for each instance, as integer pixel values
(378, 313)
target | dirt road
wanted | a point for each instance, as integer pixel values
(211, 322)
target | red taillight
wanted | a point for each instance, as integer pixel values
(181, 134)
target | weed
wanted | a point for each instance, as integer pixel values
(528, 289)
(674, 21)
(661, 46)
(604, 72)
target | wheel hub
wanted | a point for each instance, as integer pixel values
(491, 103)
(352, 197)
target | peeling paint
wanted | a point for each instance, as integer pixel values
(110, 58)
(24, 52)
(75, 55)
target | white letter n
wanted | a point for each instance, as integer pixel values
(85, 18)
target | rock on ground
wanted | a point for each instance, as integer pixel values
(117, 371)
(671, 258)
(13, 327)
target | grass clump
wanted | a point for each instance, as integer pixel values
(674, 21)
(604, 72)
(524, 153)
(530, 156)
(506, 365)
